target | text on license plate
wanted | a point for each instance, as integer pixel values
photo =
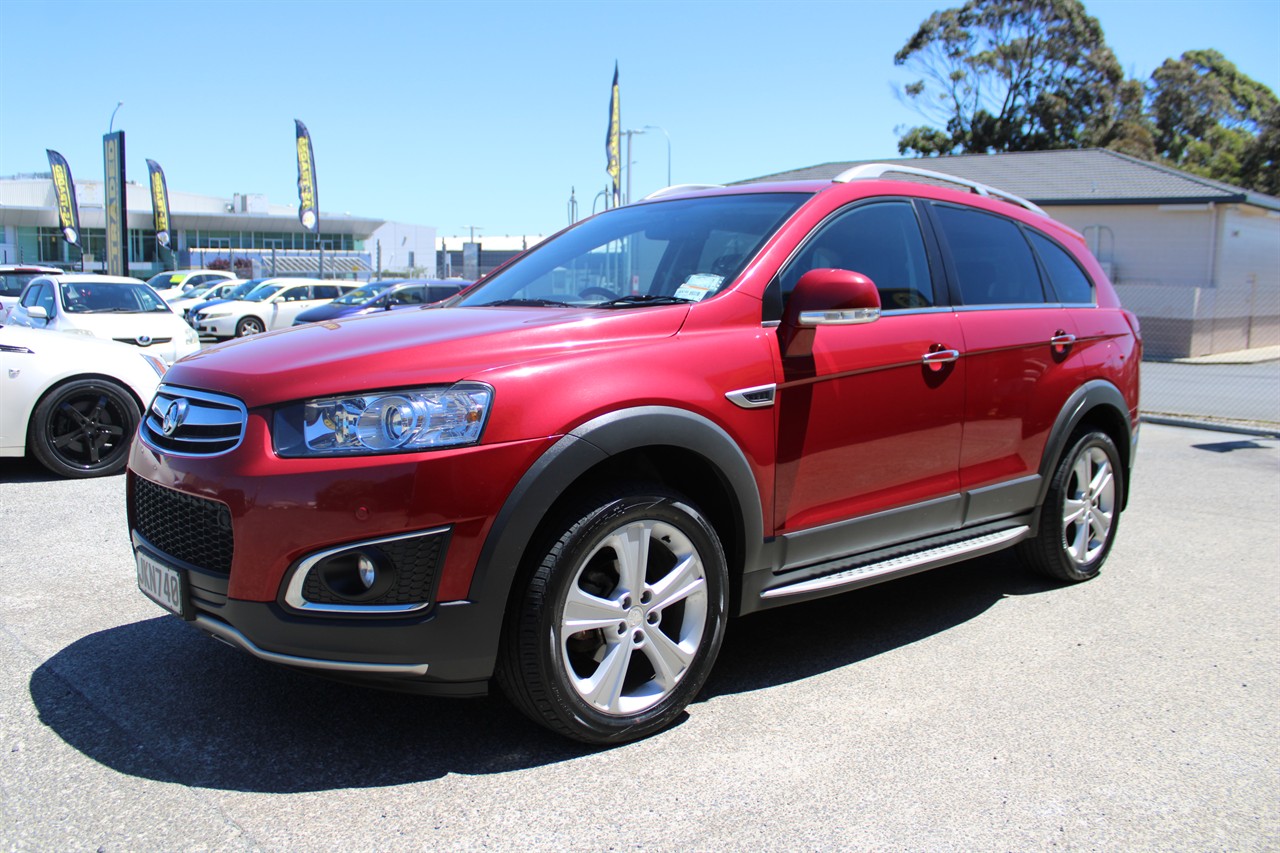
(160, 583)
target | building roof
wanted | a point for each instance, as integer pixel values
(1077, 177)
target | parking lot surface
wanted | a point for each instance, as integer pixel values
(976, 707)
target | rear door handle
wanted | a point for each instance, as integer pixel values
(939, 357)
(1061, 342)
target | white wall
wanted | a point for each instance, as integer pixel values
(398, 240)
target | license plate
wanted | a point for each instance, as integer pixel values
(163, 585)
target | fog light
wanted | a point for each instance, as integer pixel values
(368, 571)
(360, 575)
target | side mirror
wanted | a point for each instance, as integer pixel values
(826, 297)
(38, 312)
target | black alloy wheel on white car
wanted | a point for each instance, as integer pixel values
(83, 428)
(620, 618)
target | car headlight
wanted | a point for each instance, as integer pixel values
(384, 421)
(189, 336)
(157, 365)
(212, 315)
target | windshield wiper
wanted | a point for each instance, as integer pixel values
(637, 299)
(535, 303)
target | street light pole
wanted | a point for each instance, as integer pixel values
(668, 136)
(629, 134)
(112, 125)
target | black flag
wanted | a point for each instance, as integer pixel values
(308, 206)
(65, 188)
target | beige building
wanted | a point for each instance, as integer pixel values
(1197, 260)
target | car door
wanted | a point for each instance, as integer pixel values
(865, 425)
(289, 303)
(1018, 349)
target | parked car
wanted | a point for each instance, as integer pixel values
(269, 306)
(72, 401)
(170, 285)
(227, 291)
(376, 297)
(14, 277)
(705, 404)
(105, 306)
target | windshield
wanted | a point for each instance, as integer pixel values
(260, 293)
(166, 280)
(95, 297)
(241, 290)
(361, 295)
(683, 250)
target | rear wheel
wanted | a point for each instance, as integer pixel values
(1081, 512)
(620, 619)
(83, 428)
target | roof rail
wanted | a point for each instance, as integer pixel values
(868, 171)
(681, 188)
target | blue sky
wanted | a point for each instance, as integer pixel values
(486, 114)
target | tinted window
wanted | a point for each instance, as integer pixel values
(882, 241)
(324, 291)
(992, 259)
(1068, 280)
(38, 294)
(11, 283)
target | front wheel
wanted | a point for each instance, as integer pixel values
(1081, 512)
(249, 326)
(621, 617)
(83, 428)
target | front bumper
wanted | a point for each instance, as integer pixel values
(279, 515)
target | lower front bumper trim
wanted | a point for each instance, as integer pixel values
(226, 633)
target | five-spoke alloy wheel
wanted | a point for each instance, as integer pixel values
(83, 428)
(1081, 512)
(621, 619)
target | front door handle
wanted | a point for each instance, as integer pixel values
(938, 356)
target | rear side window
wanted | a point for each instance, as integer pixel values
(1065, 276)
(883, 242)
(324, 291)
(991, 258)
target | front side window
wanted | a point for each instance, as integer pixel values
(40, 294)
(991, 258)
(883, 242)
(1065, 276)
(683, 250)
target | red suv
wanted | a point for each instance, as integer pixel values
(712, 402)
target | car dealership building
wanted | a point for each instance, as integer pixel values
(245, 232)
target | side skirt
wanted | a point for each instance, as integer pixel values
(764, 590)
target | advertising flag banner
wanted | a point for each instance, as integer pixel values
(612, 142)
(308, 206)
(159, 203)
(65, 189)
(114, 203)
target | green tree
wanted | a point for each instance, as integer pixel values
(1212, 120)
(1013, 75)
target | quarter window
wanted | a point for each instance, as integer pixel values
(883, 242)
(1068, 280)
(992, 260)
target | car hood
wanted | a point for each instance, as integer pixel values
(411, 348)
(157, 325)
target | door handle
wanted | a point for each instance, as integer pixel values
(939, 356)
(1061, 342)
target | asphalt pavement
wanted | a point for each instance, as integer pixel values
(975, 707)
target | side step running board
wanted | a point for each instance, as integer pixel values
(904, 563)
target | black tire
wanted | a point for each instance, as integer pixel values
(547, 670)
(83, 428)
(1081, 511)
(250, 326)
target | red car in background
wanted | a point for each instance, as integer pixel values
(714, 401)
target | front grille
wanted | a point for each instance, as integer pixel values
(194, 530)
(137, 343)
(415, 561)
(193, 423)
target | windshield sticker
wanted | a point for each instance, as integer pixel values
(699, 286)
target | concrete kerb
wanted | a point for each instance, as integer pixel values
(1250, 428)
(1256, 355)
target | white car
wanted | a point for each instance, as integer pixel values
(271, 305)
(105, 306)
(14, 277)
(174, 283)
(73, 401)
